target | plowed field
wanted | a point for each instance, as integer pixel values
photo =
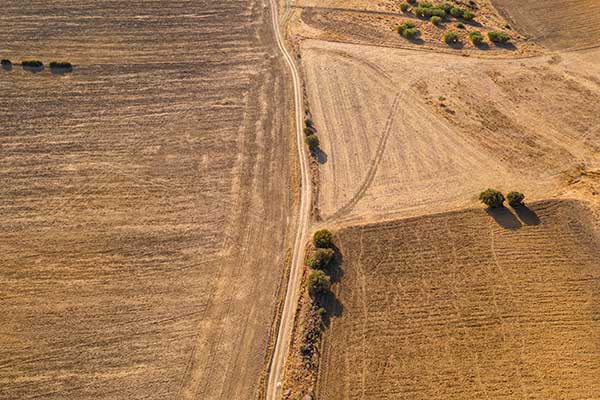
(144, 199)
(467, 305)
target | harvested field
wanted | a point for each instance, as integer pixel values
(557, 24)
(136, 260)
(408, 133)
(464, 305)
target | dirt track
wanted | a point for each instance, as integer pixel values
(136, 259)
(466, 305)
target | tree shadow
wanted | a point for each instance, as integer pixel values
(527, 215)
(483, 46)
(7, 67)
(61, 70)
(33, 69)
(333, 307)
(505, 46)
(473, 23)
(456, 46)
(416, 40)
(504, 217)
(321, 156)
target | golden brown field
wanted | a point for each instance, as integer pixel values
(144, 199)
(468, 305)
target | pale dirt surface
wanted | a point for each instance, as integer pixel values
(407, 133)
(144, 199)
(556, 24)
(464, 305)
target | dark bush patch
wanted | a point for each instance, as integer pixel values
(476, 37)
(457, 12)
(499, 37)
(408, 30)
(323, 238)
(5, 62)
(451, 37)
(515, 199)
(312, 141)
(318, 282)
(32, 63)
(435, 20)
(468, 15)
(321, 258)
(404, 7)
(491, 198)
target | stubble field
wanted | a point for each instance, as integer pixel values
(136, 260)
(468, 305)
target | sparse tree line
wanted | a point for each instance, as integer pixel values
(311, 138)
(440, 13)
(494, 198)
(62, 66)
(321, 261)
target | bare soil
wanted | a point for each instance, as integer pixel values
(468, 305)
(145, 199)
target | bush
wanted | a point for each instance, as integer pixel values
(32, 63)
(491, 198)
(308, 122)
(408, 30)
(312, 141)
(318, 282)
(435, 20)
(323, 238)
(515, 199)
(413, 2)
(5, 62)
(450, 37)
(499, 37)
(404, 7)
(460, 25)
(468, 15)
(61, 64)
(476, 37)
(308, 130)
(446, 7)
(321, 258)
(425, 4)
(457, 12)
(426, 12)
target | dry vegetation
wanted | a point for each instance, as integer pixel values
(468, 305)
(136, 261)
(405, 134)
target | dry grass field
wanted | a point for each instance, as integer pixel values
(136, 260)
(408, 133)
(464, 305)
(557, 24)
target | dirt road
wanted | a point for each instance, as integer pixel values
(286, 323)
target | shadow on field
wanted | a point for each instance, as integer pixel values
(504, 217)
(321, 156)
(7, 67)
(33, 69)
(61, 70)
(527, 215)
(506, 46)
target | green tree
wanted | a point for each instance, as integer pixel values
(318, 282)
(323, 238)
(515, 199)
(312, 141)
(450, 37)
(476, 37)
(321, 258)
(491, 198)
(435, 20)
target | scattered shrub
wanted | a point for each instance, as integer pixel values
(468, 15)
(515, 199)
(404, 7)
(472, 4)
(321, 312)
(323, 238)
(460, 25)
(408, 30)
(321, 258)
(476, 37)
(491, 198)
(426, 12)
(308, 130)
(450, 37)
(498, 37)
(436, 20)
(32, 63)
(413, 2)
(5, 62)
(308, 122)
(425, 4)
(61, 64)
(318, 282)
(446, 7)
(312, 141)
(457, 12)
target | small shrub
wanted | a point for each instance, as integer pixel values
(472, 4)
(425, 4)
(476, 37)
(408, 30)
(321, 312)
(457, 12)
(446, 7)
(61, 64)
(312, 141)
(318, 282)
(515, 199)
(308, 130)
(321, 258)
(308, 122)
(323, 238)
(468, 15)
(499, 37)
(436, 20)
(426, 12)
(491, 198)
(404, 7)
(5, 62)
(460, 25)
(450, 37)
(32, 63)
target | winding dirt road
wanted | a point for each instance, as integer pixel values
(287, 317)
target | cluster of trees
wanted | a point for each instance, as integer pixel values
(494, 198)
(37, 64)
(408, 30)
(426, 9)
(319, 281)
(312, 140)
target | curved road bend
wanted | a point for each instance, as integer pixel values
(291, 296)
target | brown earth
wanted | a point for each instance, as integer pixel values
(468, 305)
(556, 24)
(145, 199)
(409, 133)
